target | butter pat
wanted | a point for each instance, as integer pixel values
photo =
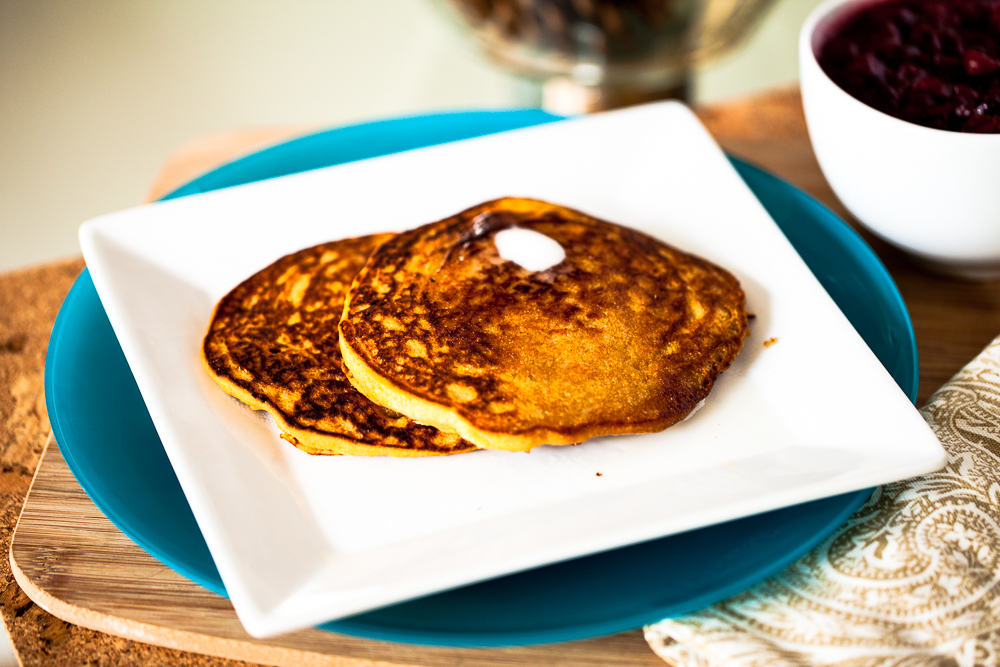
(529, 249)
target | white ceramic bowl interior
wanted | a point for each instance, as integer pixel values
(934, 194)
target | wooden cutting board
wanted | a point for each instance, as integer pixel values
(75, 564)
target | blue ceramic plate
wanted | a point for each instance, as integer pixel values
(105, 433)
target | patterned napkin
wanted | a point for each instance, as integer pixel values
(913, 578)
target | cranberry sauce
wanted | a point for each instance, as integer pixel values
(931, 62)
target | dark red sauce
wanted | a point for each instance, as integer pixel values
(931, 62)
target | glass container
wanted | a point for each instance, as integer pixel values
(600, 54)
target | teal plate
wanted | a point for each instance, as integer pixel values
(104, 431)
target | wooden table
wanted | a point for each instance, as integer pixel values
(953, 321)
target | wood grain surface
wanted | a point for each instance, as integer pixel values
(64, 545)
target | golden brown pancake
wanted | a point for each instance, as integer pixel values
(273, 344)
(625, 335)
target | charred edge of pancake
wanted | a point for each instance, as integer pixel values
(295, 430)
(329, 444)
(483, 224)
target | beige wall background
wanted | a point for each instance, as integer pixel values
(94, 95)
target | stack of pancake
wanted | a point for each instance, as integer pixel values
(431, 342)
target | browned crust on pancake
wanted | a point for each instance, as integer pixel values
(625, 335)
(273, 343)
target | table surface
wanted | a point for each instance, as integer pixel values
(953, 321)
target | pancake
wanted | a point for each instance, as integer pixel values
(273, 344)
(624, 335)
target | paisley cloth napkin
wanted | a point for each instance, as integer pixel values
(913, 578)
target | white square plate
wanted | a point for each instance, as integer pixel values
(299, 540)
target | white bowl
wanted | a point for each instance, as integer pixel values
(932, 193)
